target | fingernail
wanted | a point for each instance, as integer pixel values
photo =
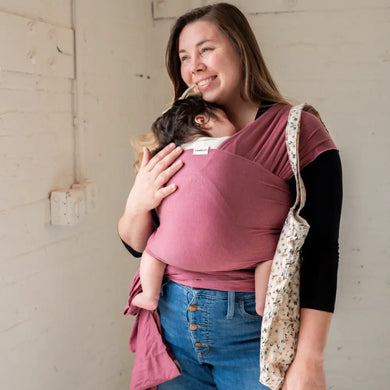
(179, 149)
(178, 162)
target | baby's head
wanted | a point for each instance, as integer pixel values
(189, 119)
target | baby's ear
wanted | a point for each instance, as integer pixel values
(202, 121)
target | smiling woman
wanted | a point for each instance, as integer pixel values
(208, 312)
(225, 28)
(209, 60)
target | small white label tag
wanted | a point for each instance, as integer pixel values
(201, 150)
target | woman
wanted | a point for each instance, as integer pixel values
(214, 48)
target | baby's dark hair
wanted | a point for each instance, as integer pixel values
(178, 125)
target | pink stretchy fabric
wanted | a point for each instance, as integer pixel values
(153, 362)
(230, 206)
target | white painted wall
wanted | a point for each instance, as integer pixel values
(62, 290)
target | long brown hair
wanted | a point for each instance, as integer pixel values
(258, 83)
(259, 87)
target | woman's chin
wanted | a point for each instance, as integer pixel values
(211, 96)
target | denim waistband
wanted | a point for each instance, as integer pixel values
(218, 294)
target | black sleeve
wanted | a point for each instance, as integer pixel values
(132, 250)
(320, 253)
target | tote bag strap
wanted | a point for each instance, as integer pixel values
(292, 144)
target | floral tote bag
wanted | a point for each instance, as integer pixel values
(281, 319)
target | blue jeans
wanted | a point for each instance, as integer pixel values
(214, 335)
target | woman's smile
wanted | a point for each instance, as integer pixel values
(205, 83)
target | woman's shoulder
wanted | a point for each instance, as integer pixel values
(314, 138)
(312, 128)
(311, 118)
(310, 123)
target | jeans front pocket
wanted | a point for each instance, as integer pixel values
(164, 284)
(247, 308)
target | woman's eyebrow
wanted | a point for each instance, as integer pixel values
(204, 41)
(197, 45)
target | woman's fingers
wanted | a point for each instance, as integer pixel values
(145, 157)
(165, 175)
(165, 191)
(166, 161)
(148, 189)
(159, 157)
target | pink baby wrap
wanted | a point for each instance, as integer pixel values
(230, 206)
(153, 362)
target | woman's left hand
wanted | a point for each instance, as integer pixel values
(307, 370)
(305, 373)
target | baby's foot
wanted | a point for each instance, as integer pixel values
(145, 302)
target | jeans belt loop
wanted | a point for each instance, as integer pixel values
(231, 302)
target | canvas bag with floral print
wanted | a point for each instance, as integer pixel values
(281, 319)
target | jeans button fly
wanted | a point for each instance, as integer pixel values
(193, 327)
(192, 308)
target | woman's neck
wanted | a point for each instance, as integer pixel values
(242, 114)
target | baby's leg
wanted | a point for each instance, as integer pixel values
(262, 273)
(151, 274)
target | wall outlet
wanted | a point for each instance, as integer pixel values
(90, 194)
(67, 207)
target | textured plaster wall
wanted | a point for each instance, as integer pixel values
(62, 289)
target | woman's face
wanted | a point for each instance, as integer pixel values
(209, 61)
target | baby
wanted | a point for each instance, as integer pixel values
(194, 124)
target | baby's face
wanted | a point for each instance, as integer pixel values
(218, 125)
